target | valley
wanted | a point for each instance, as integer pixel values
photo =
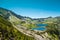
(25, 28)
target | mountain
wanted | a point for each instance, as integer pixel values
(6, 13)
(17, 27)
(10, 19)
(8, 32)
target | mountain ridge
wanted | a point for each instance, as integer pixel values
(22, 17)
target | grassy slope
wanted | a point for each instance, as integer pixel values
(8, 32)
(53, 28)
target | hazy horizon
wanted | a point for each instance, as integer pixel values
(33, 8)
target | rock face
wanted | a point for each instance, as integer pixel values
(21, 32)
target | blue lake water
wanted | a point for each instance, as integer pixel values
(40, 27)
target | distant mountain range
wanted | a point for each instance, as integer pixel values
(6, 13)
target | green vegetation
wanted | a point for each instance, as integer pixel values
(8, 32)
(53, 30)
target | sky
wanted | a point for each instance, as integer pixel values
(33, 8)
